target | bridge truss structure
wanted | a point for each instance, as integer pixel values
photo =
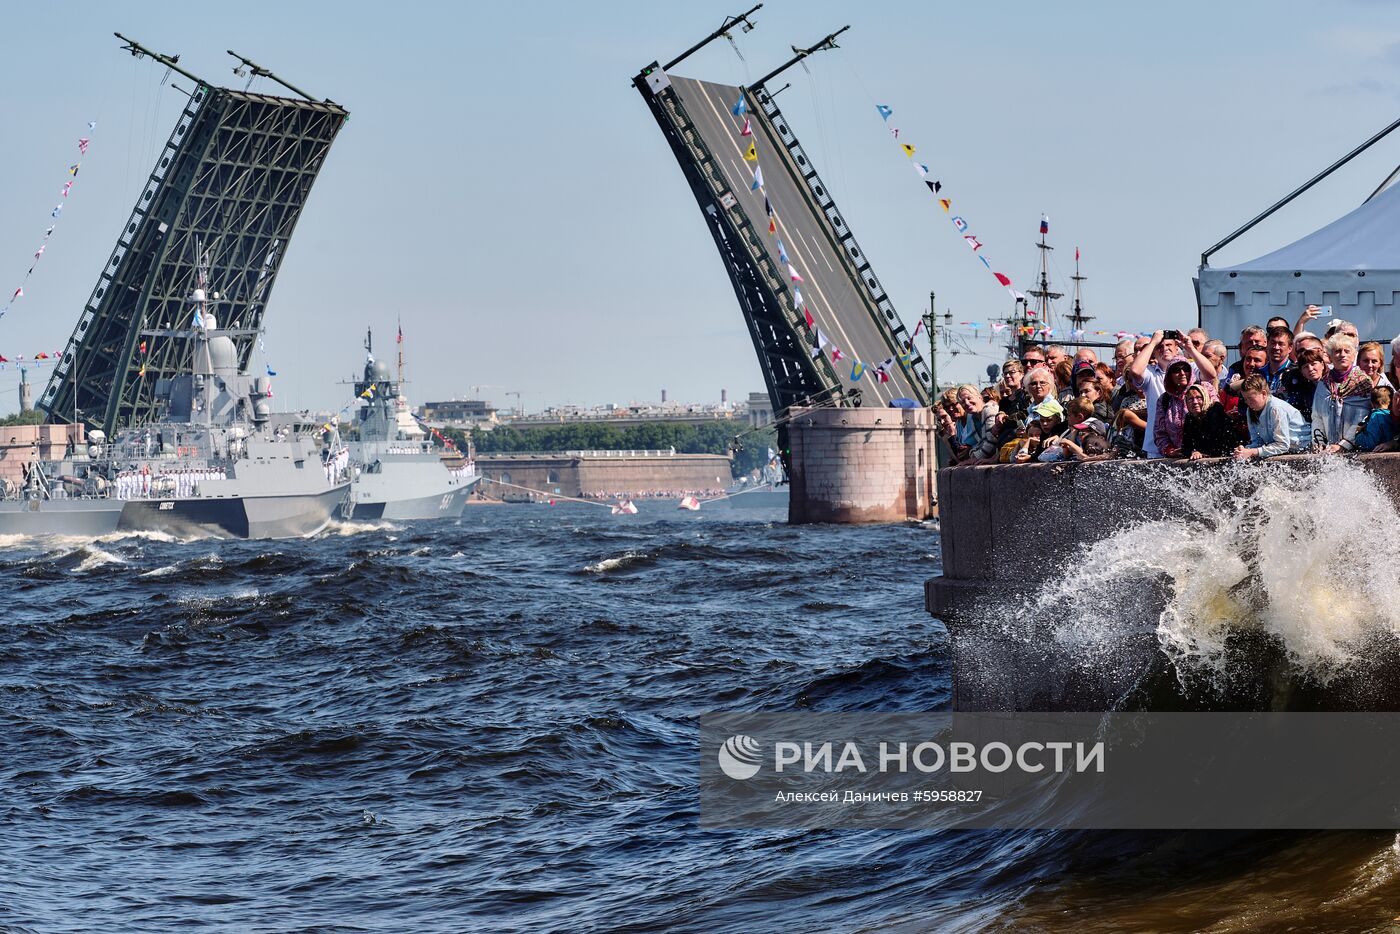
(849, 306)
(217, 211)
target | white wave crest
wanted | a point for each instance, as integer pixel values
(1300, 556)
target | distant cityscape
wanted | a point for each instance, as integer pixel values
(481, 415)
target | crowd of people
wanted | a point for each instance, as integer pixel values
(1172, 395)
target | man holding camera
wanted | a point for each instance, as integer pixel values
(1149, 371)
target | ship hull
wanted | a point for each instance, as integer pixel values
(765, 497)
(411, 487)
(293, 515)
(84, 517)
(448, 505)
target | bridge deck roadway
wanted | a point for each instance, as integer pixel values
(840, 308)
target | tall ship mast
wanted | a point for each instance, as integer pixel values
(1042, 294)
(1077, 317)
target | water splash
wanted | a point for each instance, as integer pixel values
(1292, 551)
(630, 559)
(94, 557)
(348, 527)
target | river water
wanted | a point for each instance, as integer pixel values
(489, 725)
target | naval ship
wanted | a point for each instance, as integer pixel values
(210, 464)
(397, 472)
(765, 488)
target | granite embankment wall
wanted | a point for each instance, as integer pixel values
(23, 444)
(861, 465)
(603, 473)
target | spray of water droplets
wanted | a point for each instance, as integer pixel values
(1295, 551)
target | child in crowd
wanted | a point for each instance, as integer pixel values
(1379, 428)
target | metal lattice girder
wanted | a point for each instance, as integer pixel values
(230, 183)
(790, 372)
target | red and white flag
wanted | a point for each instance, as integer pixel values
(83, 145)
(18, 292)
(625, 507)
(836, 354)
(792, 274)
(747, 130)
(689, 502)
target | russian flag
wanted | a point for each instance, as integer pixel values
(1044, 224)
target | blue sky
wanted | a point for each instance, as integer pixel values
(502, 188)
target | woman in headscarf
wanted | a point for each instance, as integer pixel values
(1171, 409)
(1343, 397)
(1207, 431)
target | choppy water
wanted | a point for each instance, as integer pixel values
(490, 726)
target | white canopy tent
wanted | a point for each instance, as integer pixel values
(1352, 264)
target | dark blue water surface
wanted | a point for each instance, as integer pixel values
(491, 725)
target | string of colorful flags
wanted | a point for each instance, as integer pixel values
(367, 393)
(35, 361)
(881, 371)
(935, 187)
(18, 293)
(998, 327)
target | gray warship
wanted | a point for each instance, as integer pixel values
(762, 488)
(397, 472)
(210, 464)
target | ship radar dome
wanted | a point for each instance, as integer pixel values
(223, 356)
(381, 370)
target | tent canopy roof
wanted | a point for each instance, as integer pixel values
(1367, 238)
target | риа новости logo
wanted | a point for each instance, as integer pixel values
(739, 757)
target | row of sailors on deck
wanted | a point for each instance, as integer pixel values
(336, 464)
(135, 484)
